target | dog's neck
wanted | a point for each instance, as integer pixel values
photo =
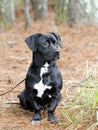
(40, 61)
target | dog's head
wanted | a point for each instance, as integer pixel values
(45, 44)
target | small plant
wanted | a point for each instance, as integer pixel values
(81, 109)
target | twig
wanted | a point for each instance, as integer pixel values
(12, 102)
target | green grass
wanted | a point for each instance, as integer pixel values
(81, 109)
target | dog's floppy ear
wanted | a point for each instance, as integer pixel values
(32, 41)
(56, 38)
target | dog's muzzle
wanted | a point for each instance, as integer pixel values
(56, 55)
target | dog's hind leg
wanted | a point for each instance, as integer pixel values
(24, 102)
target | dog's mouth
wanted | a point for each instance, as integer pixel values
(56, 56)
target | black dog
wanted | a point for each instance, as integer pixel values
(43, 80)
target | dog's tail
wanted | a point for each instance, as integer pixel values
(12, 88)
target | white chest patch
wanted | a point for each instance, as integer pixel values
(40, 87)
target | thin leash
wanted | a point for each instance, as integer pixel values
(12, 88)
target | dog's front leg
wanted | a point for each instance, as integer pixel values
(36, 109)
(52, 107)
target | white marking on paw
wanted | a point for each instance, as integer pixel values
(33, 122)
(40, 87)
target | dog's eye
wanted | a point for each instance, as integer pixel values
(56, 45)
(45, 44)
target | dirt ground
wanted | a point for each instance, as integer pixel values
(80, 50)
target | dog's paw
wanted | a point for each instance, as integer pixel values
(36, 118)
(52, 118)
(33, 122)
